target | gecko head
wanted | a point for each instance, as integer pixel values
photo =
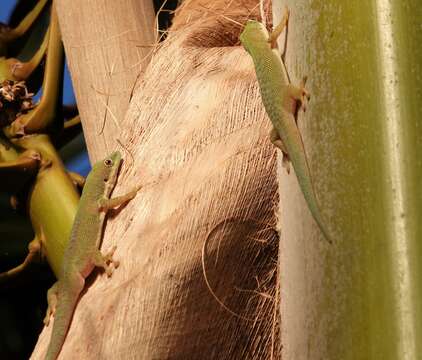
(253, 34)
(110, 165)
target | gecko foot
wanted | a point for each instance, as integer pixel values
(305, 96)
(300, 95)
(276, 140)
(285, 162)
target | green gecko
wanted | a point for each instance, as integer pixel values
(281, 101)
(82, 253)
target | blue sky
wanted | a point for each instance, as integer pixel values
(78, 160)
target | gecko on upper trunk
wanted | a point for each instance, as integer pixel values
(281, 101)
(82, 253)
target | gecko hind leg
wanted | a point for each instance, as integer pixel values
(276, 140)
(52, 295)
(106, 261)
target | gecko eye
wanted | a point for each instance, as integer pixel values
(108, 162)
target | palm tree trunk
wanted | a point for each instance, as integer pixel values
(360, 298)
(198, 245)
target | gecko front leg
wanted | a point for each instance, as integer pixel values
(106, 204)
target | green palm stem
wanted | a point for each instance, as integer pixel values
(13, 69)
(24, 25)
(52, 201)
(362, 297)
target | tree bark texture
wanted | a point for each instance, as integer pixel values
(107, 45)
(198, 245)
(359, 298)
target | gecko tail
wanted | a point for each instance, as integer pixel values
(322, 228)
(67, 299)
(310, 198)
(316, 213)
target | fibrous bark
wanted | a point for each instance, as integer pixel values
(198, 245)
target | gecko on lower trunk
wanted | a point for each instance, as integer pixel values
(82, 253)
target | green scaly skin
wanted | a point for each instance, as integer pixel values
(82, 253)
(280, 100)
